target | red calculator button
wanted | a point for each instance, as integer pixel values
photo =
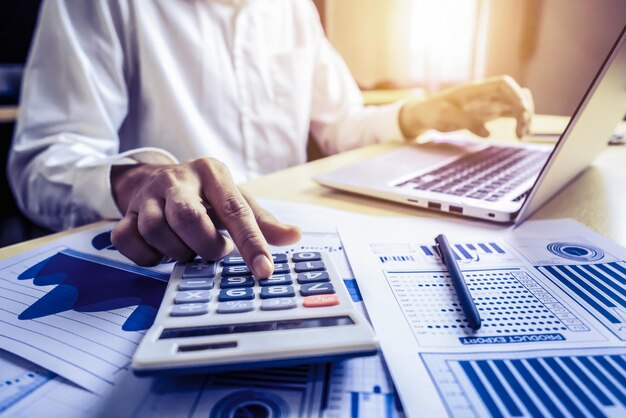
(317, 301)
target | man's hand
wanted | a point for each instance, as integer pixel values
(177, 210)
(469, 106)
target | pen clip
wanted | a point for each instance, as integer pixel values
(439, 253)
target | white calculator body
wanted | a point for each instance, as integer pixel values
(216, 316)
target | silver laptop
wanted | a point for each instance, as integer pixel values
(502, 183)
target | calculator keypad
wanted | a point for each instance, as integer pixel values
(277, 280)
(190, 309)
(316, 289)
(313, 277)
(318, 301)
(277, 292)
(196, 284)
(193, 296)
(278, 304)
(233, 288)
(235, 306)
(199, 269)
(236, 281)
(239, 293)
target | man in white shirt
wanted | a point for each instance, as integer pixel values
(152, 111)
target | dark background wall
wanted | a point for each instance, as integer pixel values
(17, 23)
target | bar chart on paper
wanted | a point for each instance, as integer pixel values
(575, 383)
(18, 379)
(470, 252)
(360, 388)
(599, 288)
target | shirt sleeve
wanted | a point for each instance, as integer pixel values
(74, 100)
(339, 119)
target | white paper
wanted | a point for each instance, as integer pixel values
(68, 318)
(540, 314)
(360, 384)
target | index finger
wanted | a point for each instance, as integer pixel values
(517, 100)
(237, 216)
(506, 90)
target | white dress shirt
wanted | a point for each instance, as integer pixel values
(161, 81)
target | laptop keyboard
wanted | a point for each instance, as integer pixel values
(488, 174)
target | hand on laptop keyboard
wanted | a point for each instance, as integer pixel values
(469, 106)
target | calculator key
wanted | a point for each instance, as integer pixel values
(235, 306)
(281, 268)
(318, 301)
(233, 260)
(190, 309)
(236, 294)
(316, 289)
(309, 266)
(277, 292)
(228, 271)
(279, 258)
(236, 281)
(196, 284)
(199, 268)
(310, 256)
(193, 296)
(313, 277)
(279, 279)
(278, 304)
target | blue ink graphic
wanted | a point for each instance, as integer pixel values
(530, 386)
(575, 251)
(467, 251)
(353, 290)
(599, 288)
(24, 379)
(103, 241)
(91, 284)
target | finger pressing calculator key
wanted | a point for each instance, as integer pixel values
(218, 316)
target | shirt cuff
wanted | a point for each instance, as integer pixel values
(92, 187)
(389, 122)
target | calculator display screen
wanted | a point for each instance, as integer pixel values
(203, 331)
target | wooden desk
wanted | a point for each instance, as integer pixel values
(596, 198)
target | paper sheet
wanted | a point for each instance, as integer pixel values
(552, 299)
(77, 307)
(358, 387)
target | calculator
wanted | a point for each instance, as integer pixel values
(217, 316)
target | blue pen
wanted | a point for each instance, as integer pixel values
(467, 302)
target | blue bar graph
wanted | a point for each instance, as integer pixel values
(397, 258)
(533, 386)
(467, 251)
(508, 401)
(482, 390)
(599, 288)
(485, 248)
(497, 247)
(463, 251)
(383, 403)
